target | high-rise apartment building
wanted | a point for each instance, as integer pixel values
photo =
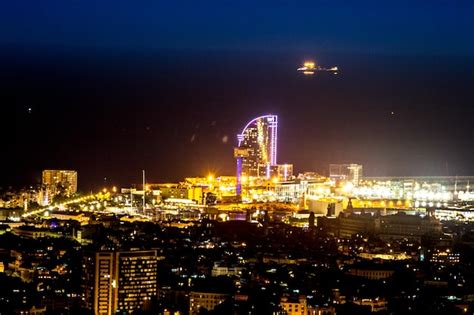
(119, 281)
(56, 179)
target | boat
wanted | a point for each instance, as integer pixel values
(310, 68)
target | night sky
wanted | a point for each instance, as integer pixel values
(113, 87)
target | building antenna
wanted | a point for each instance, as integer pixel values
(456, 185)
(131, 199)
(144, 190)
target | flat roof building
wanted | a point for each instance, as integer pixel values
(204, 300)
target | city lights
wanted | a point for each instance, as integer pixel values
(192, 158)
(369, 224)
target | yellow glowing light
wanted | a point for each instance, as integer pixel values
(210, 177)
(309, 64)
(275, 180)
(347, 187)
(244, 179)
(104, 190)
(114, 189)
(224, 217)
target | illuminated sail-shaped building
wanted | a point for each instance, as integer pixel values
(256, 152)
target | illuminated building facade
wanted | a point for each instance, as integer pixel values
(204, 300)
(259, 139)
(285, 171)
(294, 305)
(256, 152)
(346, 172)
(65, 178)
(371, 274)
(376, 305)
(122, 281)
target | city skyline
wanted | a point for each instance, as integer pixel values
(96, 97)
(323, 170)
(236, 157)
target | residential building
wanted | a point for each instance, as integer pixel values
(119, 281)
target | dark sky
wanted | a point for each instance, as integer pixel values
(118, 86)
(434, 26)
